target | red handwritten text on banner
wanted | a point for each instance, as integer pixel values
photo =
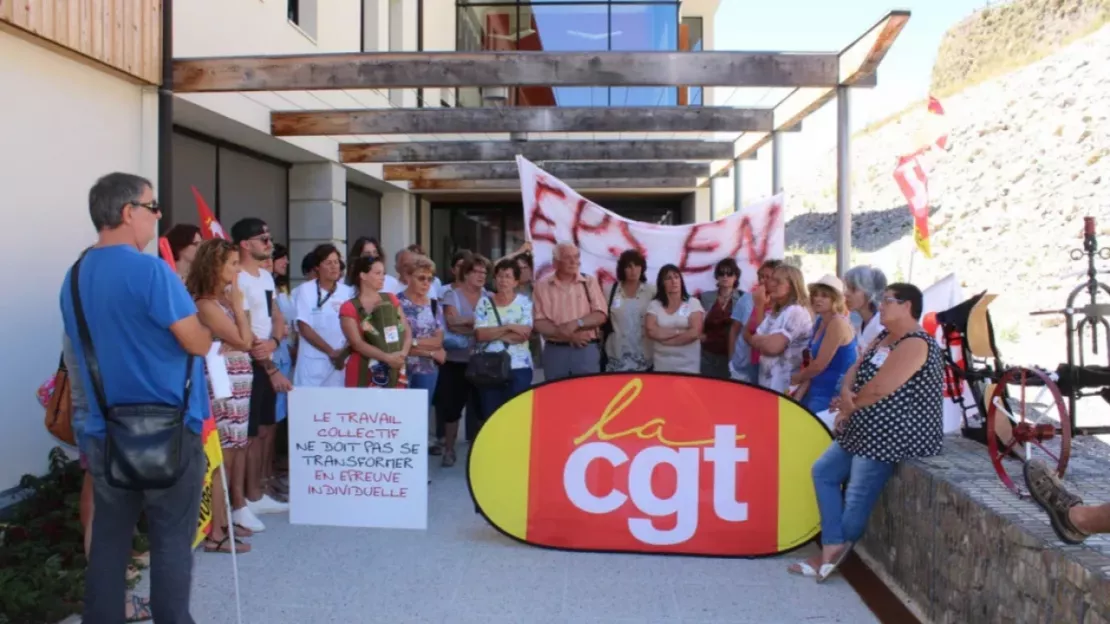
(555, 213)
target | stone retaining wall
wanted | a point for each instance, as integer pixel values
(966, 550)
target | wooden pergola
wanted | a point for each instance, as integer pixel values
(815, 79)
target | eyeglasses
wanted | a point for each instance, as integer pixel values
(892, 300)
(151, 206)
(264, 239)
(422, 278)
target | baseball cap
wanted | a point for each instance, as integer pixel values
(247, 228)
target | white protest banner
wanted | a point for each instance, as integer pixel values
(555, 213)
(358, 457)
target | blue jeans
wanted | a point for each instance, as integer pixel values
(172, 515)
(494, 397)
(425, 381)
(844, 516)
(284, 363)
(817, 401)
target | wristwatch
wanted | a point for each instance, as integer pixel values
(581, 323)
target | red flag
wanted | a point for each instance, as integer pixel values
(167, 252)
(935, 108)
(209, 226)
(911, 179)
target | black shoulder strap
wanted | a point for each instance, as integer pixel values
(586, 287)
(612, 293)
(91, 361)
(435, 308)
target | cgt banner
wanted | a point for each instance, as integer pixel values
(650, 463)
(554, 213)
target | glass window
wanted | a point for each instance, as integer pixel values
(640, 28)
(493, 26)
(571, 26)
(564, 28)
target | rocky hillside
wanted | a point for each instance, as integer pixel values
(1005, 36)
(1028, 157)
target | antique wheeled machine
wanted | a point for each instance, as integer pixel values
(1014, 410)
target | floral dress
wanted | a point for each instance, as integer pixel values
(627, 347)
(796, 324)
(424, 323)
(233, 413)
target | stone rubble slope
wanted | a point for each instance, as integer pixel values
(1028, 157)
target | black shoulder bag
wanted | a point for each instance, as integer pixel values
(144, 443)
(487, 368)
(607, 327)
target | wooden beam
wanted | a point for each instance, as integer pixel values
(492, 151)
(578, 185)
(409, 70)
(861, 59)
(568, 170)
(520, 119)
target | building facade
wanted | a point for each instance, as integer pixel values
(83, 100)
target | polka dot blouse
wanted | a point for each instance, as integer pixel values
(907, 423)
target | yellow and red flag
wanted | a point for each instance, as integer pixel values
(210, 437)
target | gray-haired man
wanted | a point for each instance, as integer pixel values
(143, 327)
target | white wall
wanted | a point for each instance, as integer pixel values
(241, 27)
(63, 125)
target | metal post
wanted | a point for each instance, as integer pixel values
(843, 182)
(712, 199)
(737, 196)
(776, 163)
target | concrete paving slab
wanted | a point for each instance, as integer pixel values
(461, 571)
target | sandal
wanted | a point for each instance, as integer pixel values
(827, 569)
(240, 531)
(1056, 501)
(448, 459)
(140, 609)
(802, 568)
(224, 547)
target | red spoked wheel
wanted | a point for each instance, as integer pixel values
(1028, 403)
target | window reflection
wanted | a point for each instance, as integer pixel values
(639, 28)
(565, 26)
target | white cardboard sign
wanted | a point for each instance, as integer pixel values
(358, 457)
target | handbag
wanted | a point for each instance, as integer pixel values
(490, 368)
(144, 443)
(59, 406)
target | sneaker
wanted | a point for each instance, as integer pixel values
(1049, 493)
(266, 505)
(245, 518)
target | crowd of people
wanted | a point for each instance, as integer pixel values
(853, 349)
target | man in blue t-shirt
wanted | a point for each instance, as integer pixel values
(143, 327)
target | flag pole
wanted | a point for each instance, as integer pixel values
(234, 557)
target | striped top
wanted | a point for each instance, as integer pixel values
(560, 302)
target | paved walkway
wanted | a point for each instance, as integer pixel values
(461, 571)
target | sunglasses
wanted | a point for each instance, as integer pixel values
(265, 238)
(151, 206)
(726, 273)
(422, 278)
